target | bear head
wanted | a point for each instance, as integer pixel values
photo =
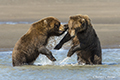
(50, 26)
(78, 23)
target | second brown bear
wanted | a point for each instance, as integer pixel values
(85, 41)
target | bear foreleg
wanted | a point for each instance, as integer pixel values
(45, 51)
(73, 49)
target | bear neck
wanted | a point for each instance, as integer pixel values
(86, 36)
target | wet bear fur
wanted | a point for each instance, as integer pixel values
(33, 43)
(85, 41)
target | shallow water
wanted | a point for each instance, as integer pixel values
(44, 69)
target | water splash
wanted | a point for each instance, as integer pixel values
(64, 60)
(60, 56)
(43, 60)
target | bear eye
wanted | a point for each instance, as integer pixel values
(56, 26)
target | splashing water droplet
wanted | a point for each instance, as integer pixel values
(64, 60)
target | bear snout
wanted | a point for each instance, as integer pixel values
(62, 29)
(72, 33)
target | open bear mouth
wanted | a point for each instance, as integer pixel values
(60, 31)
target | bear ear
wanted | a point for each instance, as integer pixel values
(87, 19)
(82, 20)
(71, 17)
(45, 21)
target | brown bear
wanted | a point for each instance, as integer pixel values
(30, 45)
(85, 41)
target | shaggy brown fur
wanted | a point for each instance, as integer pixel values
(30, 45)
(85, 41)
